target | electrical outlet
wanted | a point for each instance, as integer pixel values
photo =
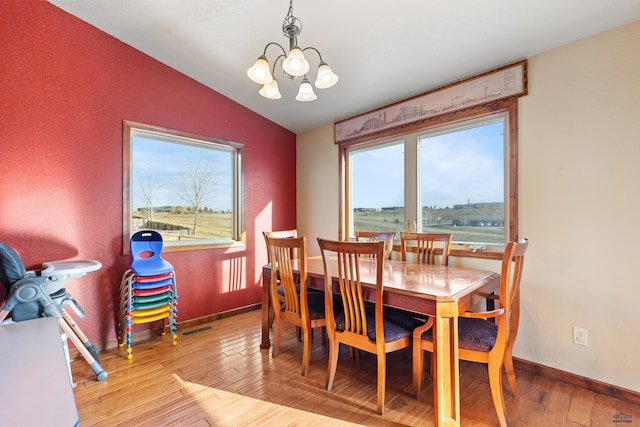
(580, 336)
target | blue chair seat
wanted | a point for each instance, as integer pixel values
(397, 324)
(473, 334)
(316, 304)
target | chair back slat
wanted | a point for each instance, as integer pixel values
(282, 252)
(351, 293)
(278, 233)
(427, 246)
(387, 237)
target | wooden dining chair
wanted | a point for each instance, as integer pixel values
(358, 324)
(278, 233)
(427, 246)
(485, 337)
(299, 307)
(387, 237)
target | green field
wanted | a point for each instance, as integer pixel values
(210, 225)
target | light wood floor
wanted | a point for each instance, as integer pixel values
(220, 377)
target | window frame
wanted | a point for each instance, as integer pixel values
(508, 107)
(170, 136)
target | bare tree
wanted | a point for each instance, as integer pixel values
(196, 179)
(148, 187)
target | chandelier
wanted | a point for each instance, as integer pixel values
(293, 64)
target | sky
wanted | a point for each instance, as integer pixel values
(456, 167)
(165, 161)
(466, 165)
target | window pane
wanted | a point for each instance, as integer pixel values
(182, 190)
(462, 183)
(186, 187)
(377, 188)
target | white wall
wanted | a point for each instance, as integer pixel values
(579, 178)
(317, 186)
(579, 174)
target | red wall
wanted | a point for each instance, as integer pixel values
(65, 88)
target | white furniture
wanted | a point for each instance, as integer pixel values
(35, 386)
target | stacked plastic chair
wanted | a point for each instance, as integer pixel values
(148, 290)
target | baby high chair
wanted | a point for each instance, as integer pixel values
(40, 293)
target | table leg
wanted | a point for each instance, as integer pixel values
(266, 284)
(447, 375)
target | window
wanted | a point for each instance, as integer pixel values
(461, 178)
(377, 187)
(186, 187)
(446, 177)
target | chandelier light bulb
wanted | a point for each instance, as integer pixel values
(305, 93)
(326, 77)
(295, 63)
(270, 90)
(259, 72)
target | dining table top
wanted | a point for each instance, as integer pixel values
(428, 281)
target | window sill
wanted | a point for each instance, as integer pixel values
(466, 251)
(484, 254)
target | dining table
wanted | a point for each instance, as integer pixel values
(435, 290)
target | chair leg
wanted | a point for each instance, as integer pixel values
(278, 338)
(85, 341)
(306, 350)
(334, 349)
(511, 374)
(418, 367)
(272, 316)
(495, 382)
(354, 353)
(382, 381)
(95, 365)
(418, 355)
(173, 327)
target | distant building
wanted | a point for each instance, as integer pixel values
(485, 205)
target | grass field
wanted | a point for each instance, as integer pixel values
(210, 225)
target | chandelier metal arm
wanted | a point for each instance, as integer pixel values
(264, 52)
(316, 50)
(278, 58)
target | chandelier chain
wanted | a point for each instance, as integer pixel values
(291, 26)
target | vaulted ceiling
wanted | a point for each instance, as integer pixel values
(383, 51)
